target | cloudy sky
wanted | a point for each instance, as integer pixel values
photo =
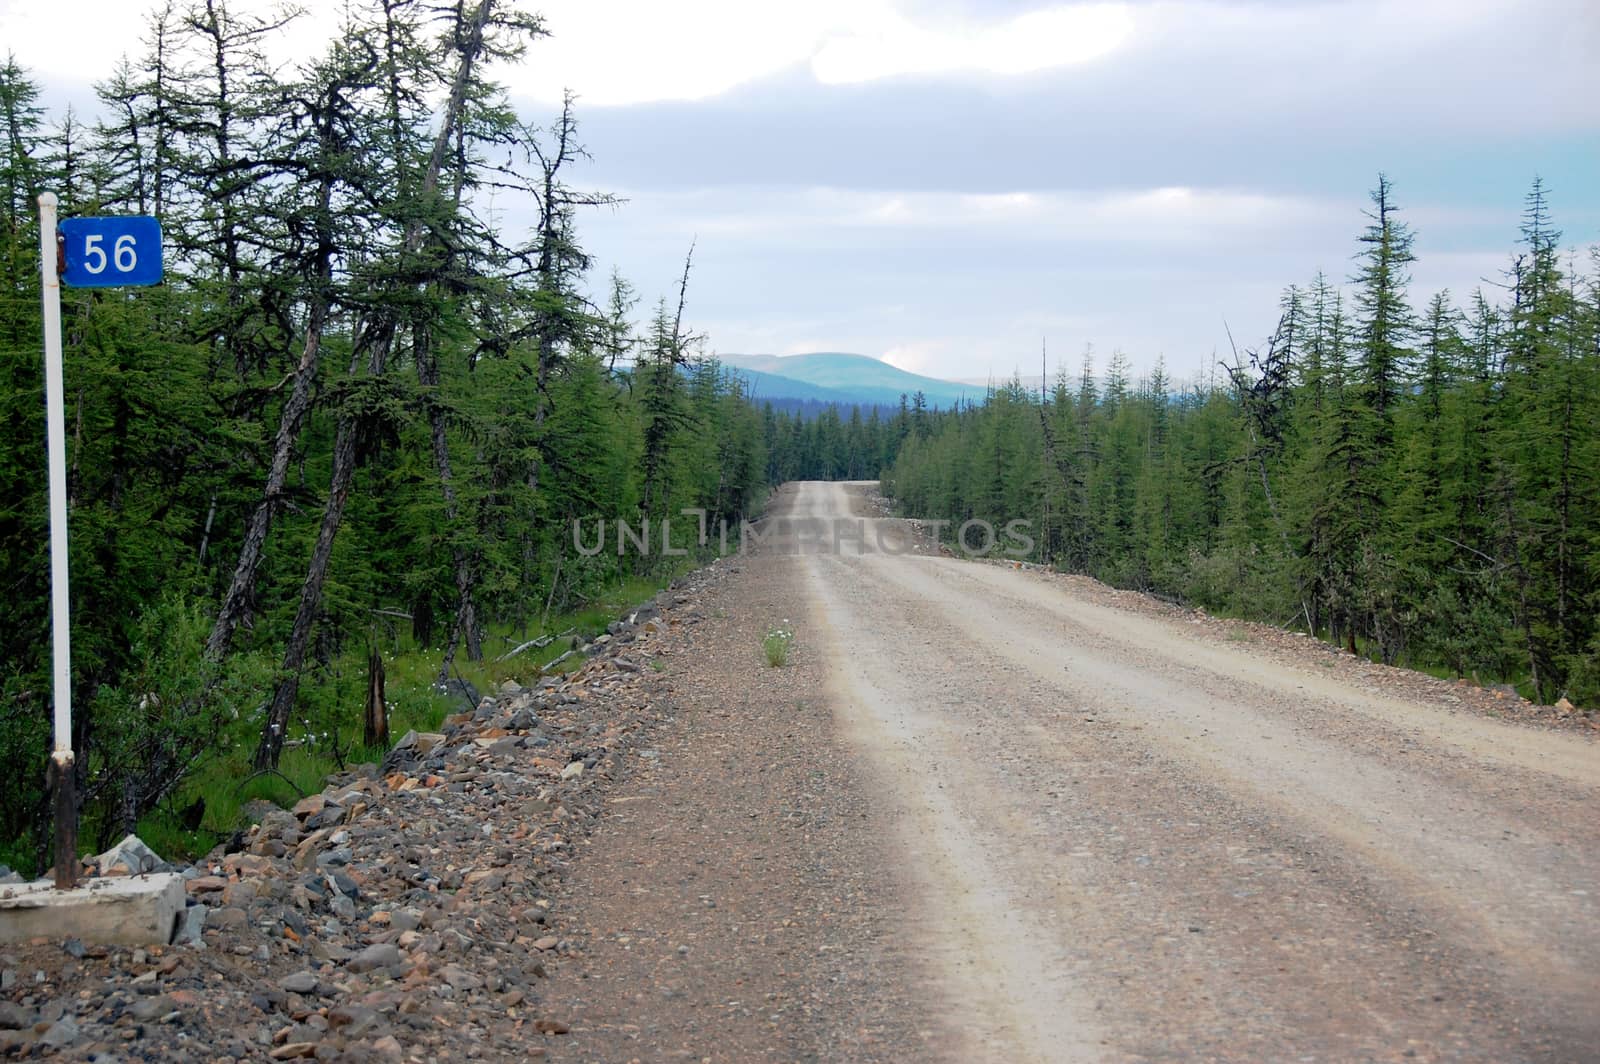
(942, 183)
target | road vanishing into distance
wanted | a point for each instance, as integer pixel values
(1126, 838)
(991, 813)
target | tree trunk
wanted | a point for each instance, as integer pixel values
(375, 730)
(236, 601)
(294, 655)
(235, 609)
(466, 618)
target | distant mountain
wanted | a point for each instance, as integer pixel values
(844, 378)
(772, 386)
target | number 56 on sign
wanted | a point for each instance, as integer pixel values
(103, 252)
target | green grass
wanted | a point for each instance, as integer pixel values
(776, 644)
(332, 700)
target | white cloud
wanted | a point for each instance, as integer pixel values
(623, 53)
(887, 44)
(920, 357)
(616, 54)
(80, 41)
(619, 53)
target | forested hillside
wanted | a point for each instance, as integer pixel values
(1418, 482)
(360, 413)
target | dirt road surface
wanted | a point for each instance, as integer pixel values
(996, 814)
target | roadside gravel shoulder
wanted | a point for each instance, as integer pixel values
(734, 904)
(406, 913)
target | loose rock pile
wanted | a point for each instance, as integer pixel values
(401, 914)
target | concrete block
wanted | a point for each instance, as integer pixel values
(118, 911)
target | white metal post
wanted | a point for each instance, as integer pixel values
(60, 617)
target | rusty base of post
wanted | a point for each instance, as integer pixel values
(64, 782)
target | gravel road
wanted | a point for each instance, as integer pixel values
(1044, 823)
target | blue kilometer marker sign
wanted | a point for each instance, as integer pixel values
(84, 253)
(110, 252)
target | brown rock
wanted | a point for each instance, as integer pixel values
(388, 1048)
(460, 978)
(241, 892)
(353, 1020)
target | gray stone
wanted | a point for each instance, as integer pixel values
(403, 920)
(14, 1017)
(190, 925)
(343, 908)
(228, 918)
(378, 955)
(150, 1009)
(281, 824)
(291, 918)
(299, 983)
(303, 1033)
(63, 1032)
(336, 858)
(130, 857)
(461, 978)
(328, 816)
(413, 745)
(328, 951)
